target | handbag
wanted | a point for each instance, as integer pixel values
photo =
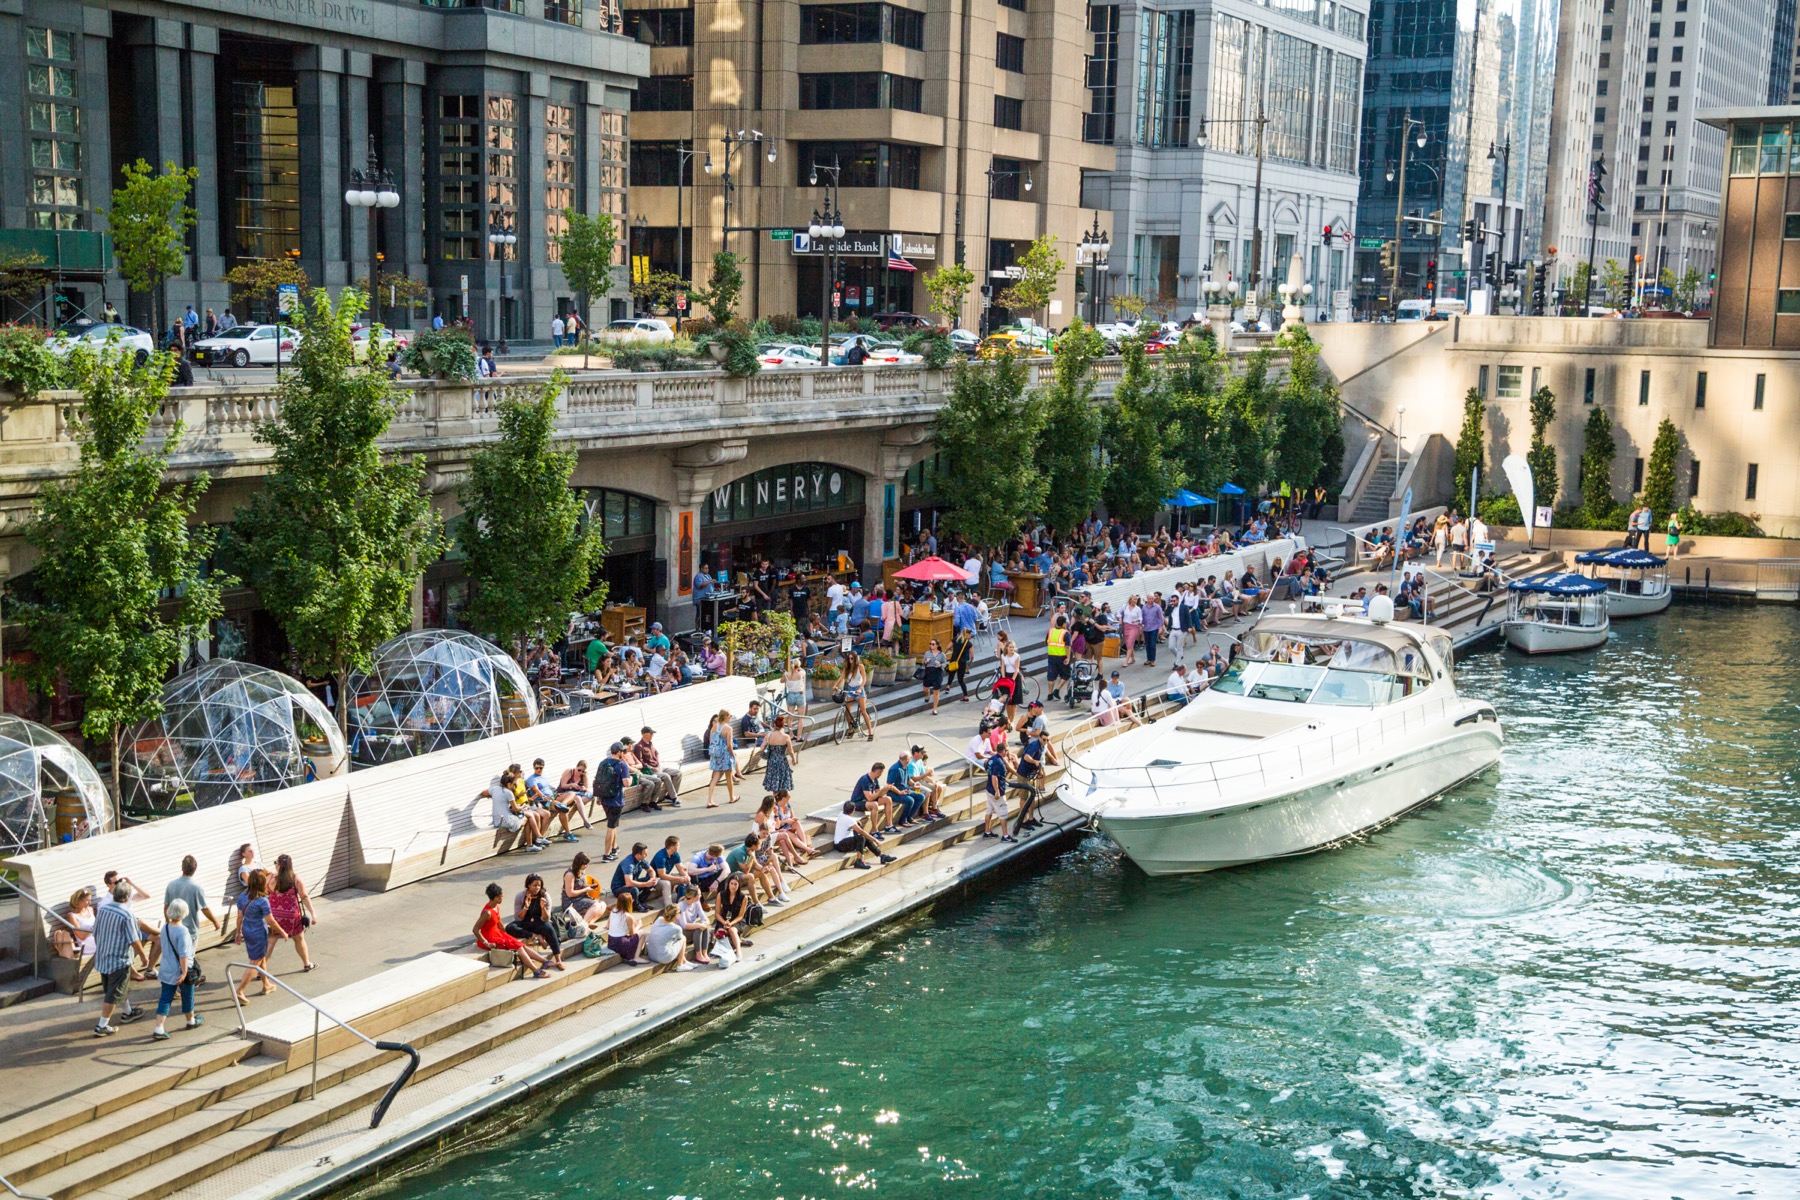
(724, 955)
(593, 946)
(755, 919)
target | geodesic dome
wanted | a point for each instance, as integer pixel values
(228, 729)
(434, 688)
(46, 786)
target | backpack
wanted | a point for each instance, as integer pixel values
(607, 784)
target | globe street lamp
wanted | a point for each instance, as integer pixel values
(371, 187)
(501, 239)
(1095, 248)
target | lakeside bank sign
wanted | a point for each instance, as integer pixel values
(858, 243)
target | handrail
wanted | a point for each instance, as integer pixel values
(956, 755)
(313, 1092)
(45, 908)
(1432, 571)
(21, 1195)
(37, 942)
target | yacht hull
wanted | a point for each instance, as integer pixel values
(1626, 604)
(1313, 817)
(1532, 637)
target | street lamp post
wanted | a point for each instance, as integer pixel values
(743, 137)
(826, 230)
(1408, 121)
(371, 187)
(501, 239)
(1201, 139)
(994, 173)
(1504, 153)
(685, 153)
(1095, 249)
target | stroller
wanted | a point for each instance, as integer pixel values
(1084, 676)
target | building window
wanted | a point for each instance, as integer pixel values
(559, 174)
(1511, 383)
(1787, 300)
(1761, 382)
(1750, 482)
(1791, 226)
(863, 164)
(1481, 381)
(1166, 83)
(1600, 116)
(1601, 88)
(1007, 182)
(1700, 390)
(1009, 52)
(1637, 475)
(664, 93)
(1674, 104)
(1098, 123)
(1015, 5)
(659, 164)
(846, 24)
(563, 12)
(1643, 388)
(1693, 479)
(1681, 29)
(1675, 54)
(1587, 387)
(1656, 29)
(263, 209)
(1009, 113)
(661, 26)
(1606, 33)
(861, 89)
(53, 87)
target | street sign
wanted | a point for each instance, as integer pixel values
(1370, 243)
(465, 294)
(681, 301)
(287, 298)
(1007, 273)
(1459, 274)
(781, 235)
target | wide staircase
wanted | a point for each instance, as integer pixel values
(230, 1115)
(17, 983)
(1459, 608)
(1373, 504)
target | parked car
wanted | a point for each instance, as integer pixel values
(964, 341)
(640, 329)
(893, 352)
(1008, 341)
(97, 337)
(359, 341)
(246, 345)
(903, 321)
(787, 354)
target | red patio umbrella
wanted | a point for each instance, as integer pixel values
(933, 570)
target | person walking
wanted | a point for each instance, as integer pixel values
(556, 333)
(1056, 656)
(116, 938)
(1154, 617)
(931, 673)
(175, 973)
(292, 908)
(720, 759)
(260, 929)
(778, 769)
(1131, 628)
(956, 663)
(188, 890)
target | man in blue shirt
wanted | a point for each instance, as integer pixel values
(667, 864)
(540, 793)
(1031, 766)
(657, 639)
(859, 607)
(899, 778)
(963, 617)
(116, 938)
(870, 795)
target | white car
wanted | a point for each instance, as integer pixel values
(964, 341)
(640, 329)
(247, 345)
(787, 354)
(98, 337)
(359, 341)
(892, 352)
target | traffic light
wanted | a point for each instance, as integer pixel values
(1540, 279)
(1431, 277)
(1387, 258)
(1471, 231)
(1493, 264)
(1327, 235)
(1712, 277)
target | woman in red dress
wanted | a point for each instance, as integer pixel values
(292, 907)
(490, 934)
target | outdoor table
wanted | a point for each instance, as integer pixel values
(1028, 592)
(926, 625)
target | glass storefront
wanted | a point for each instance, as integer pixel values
(802, 515)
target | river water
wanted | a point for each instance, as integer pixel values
(1575, 977)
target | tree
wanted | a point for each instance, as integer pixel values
(1469, 446)
(114, 541)
(721, 296)
(948, 287)
(149, 221)
(397, 289)
(1687, 290)
(1597, 451)
(1130, 305)
(1615, 284)
(657, 291)
(22, 274)
(587, 245)
(987, 433)
(1069, 447)
(1144, 476)
(337, 537)
(1542, 455)
(1192, 371)
(527, 552)
(1039, 268)
(1244, 425)
(1659, 472)
(263, 278)
(1309, 420)
(1575, 292)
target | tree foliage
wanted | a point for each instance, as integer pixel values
(1039, 267)
(1144, 474)
(721, 295)
(22, 274)
(263, 278)
(1068, 449)
(1659, 472)
(1244, 425)
(522, 534)
(948, 287)
(1615, 284)
(587, 244)
(1308, 418)
(1470, 446)
(397, 290)
(1687, 289)
(149, 221)
(1192, 372)
(338, 536)
(1597, 450)
(987, 434)
(114, 540)
(1542, 455)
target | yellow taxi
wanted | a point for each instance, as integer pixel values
(996, 344)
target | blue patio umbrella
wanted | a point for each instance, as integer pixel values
(1230, 489)
(1186, 499)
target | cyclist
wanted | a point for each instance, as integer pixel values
(856, 692)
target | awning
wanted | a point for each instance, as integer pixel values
(1558, 583)
(1629, 557)
(1230, 489)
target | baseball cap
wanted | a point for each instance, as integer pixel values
(656, 624)
(647, 729)
(1035, 704)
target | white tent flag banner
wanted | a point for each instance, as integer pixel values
(1518, 473)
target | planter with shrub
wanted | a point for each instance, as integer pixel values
(825, 678)
(447, 354)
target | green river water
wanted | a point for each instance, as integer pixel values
(1576, 977)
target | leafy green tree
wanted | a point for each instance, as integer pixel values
(1309, 419)
(721, 296)
(1144, 474)
(1039, 267)
(1615, 284)
(1597, 450)
(1244, 421)
(1192, 374)
(1069, 447)
(527, 552)
(587, 244)
(948, 289)
(1575, 291)
(1470, 445)
(987, 434)
(262, 279)
(1687, 290)
(1542, 455)
(114, 540)
(22, 274)
(149, 222)
(1659, 472)
(338, 536)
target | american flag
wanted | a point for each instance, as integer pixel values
(896, 262)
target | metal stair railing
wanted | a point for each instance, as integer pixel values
(8, 1184)
(37, 942)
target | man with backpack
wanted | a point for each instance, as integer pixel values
(611, 779)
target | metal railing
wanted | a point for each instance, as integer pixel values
(1777, 577)
(1290, 764)
(387, 1097)
(1419, 567)
(37, 941)
(8, 1184)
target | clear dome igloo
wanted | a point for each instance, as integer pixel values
(228, 730)
(46, 786)
(434, 688)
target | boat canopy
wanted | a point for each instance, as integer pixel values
(1558, 583)
(1628, 558)
(1343, 645)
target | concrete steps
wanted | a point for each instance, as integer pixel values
(1372, 505)
(17, 983)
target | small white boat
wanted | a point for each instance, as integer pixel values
(1327, 725)
(1637, 581)
(1555, 613)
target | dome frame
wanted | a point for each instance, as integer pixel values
(431, 689)
(37, 764)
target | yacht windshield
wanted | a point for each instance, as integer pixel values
(1280, 666)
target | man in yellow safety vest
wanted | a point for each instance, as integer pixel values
(1058, 650)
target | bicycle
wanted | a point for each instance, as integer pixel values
(847, 722)
(1028, 690)
(796, 722)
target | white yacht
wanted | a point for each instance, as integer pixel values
(1637, 581)
(1555, 613)
(1327, 725)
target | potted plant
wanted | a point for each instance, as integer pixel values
(881, 667)
(825, 677)
(442, 354)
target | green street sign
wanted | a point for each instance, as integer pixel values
(1370, 243)
(781, 235)
(1459, 274)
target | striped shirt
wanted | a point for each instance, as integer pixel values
(115, 933)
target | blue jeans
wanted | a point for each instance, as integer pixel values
(1150, 636)
(167, 996)
(909, 804)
